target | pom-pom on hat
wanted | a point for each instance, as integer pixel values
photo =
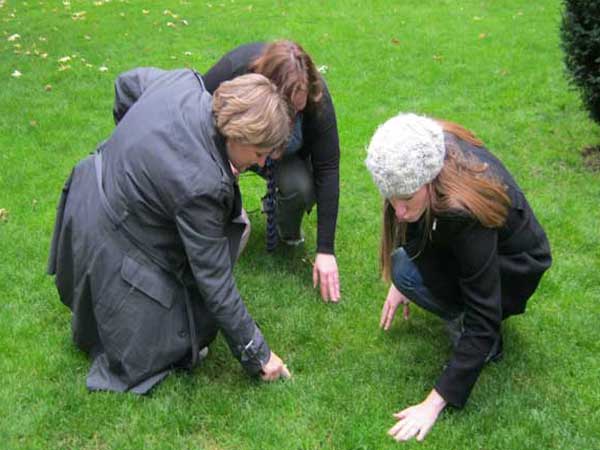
(405, 153)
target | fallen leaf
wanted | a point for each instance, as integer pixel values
(87, 37)
(48, 87)
(323, 69)
(80, 15)
(171, 24)
(395, 41)
(476, 18)
(145, 12)
(185, 22)
(16, 74)
(14, 37)
(187, 53)
(44, 55)
(3, 215)
(33, 123)
(103, 69)
(62, 68)
(64, 59)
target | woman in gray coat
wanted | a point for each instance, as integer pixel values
(148, 228)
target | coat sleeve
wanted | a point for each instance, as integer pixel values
(201, 225)
(475, 250)
(129, 87)
(321, 142)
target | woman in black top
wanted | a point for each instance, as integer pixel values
(459, 240)
(308, 172)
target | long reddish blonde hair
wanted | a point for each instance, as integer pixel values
(287, 65)
(464, 183)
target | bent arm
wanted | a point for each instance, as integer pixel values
(476, 252)
(201, 225)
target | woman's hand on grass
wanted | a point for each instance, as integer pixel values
(325, 274)
(417, 420)
(392, 301)
(274, 369)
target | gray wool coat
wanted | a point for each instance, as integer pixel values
(146, 236)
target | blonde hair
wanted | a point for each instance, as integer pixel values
(250, 110)
(464, 183)
(287, 65)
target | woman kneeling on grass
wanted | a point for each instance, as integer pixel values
(148, 228)
(459, 240)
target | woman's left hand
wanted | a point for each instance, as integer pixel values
(417, 420)
(325, 274)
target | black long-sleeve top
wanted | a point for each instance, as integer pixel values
(490, 272)
(320, 135)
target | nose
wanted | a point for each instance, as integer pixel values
(262, 160)
(400, 209)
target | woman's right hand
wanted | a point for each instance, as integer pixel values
(394, 299)
(274, 369)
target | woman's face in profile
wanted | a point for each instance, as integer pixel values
(244, 156)
(299, 99)
(410, 208)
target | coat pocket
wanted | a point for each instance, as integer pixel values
(153, 282)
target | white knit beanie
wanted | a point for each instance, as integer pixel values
(405, 153)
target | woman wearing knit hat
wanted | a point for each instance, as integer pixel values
(459, 240)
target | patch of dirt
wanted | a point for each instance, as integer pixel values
(591, 158)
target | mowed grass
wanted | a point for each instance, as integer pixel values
(496, 67)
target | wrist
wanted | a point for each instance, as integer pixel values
(435, 401)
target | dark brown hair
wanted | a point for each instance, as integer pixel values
(464, 184)
(287, 65)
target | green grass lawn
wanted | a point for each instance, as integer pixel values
(494, 66)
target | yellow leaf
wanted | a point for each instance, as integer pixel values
(64, 59)
(103, 69)
(3, 215)
(14, 37)
(16, 74)
(78, 15)
(48, 87)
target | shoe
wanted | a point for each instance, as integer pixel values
(202, 354)
(291, 242)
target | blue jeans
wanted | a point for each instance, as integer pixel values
(408, 280)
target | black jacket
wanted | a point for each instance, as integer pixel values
(490, 272)
(167, 179)
(321, 141)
